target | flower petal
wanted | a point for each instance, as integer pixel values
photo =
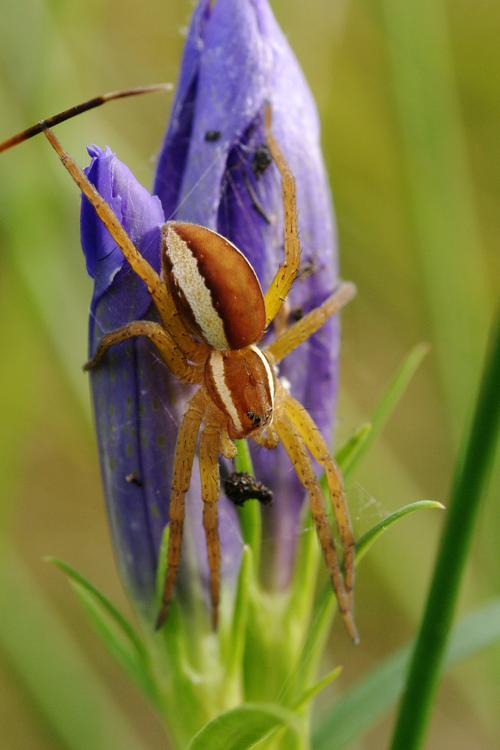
(237, 59)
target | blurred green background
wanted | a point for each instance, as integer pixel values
(408, 96)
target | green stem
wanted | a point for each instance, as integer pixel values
(470, 478)
(249, 514)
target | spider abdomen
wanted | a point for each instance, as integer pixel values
(214, 287)
(241, 384)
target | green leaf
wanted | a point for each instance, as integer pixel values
(346, 456)
(365, 542)
(360, 707)
(386, 406)
(325, 606)
(242, 727)
(72, 701)
(117, 633)
(311, 692)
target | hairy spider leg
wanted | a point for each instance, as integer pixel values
(169, 351)
(286, 273)
(78, 109)
(157, 289)
(183, 465)
(210, 485)
(316, 444)
(268, 439)
(297, 452)
(310, 323)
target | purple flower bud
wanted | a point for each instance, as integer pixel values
(213, 170)
(137, 402)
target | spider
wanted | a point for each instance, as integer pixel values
(213, 315)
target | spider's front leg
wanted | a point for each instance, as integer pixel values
(169, 351)
(157, 289)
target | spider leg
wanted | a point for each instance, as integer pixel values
(310, 323)
(286, 273)
(170, 352)
(316, 444)
(267, 438)
(227, 447)
(183, 464)
(157, 289)
(297, 452)
(210, 485)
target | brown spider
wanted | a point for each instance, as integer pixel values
(213, 314)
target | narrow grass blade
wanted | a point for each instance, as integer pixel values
(117, 633)
(470, 478)
(360, 707)
(369, 537)
(386, 405)
(347, 455)
(71, 699)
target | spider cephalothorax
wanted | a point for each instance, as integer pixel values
(213, 314)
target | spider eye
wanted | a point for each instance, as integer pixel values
(254, 418)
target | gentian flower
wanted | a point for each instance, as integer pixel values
(212, 170)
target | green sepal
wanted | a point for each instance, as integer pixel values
(118, 635)
(235, 649)
(318, 686)
(240, 728)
